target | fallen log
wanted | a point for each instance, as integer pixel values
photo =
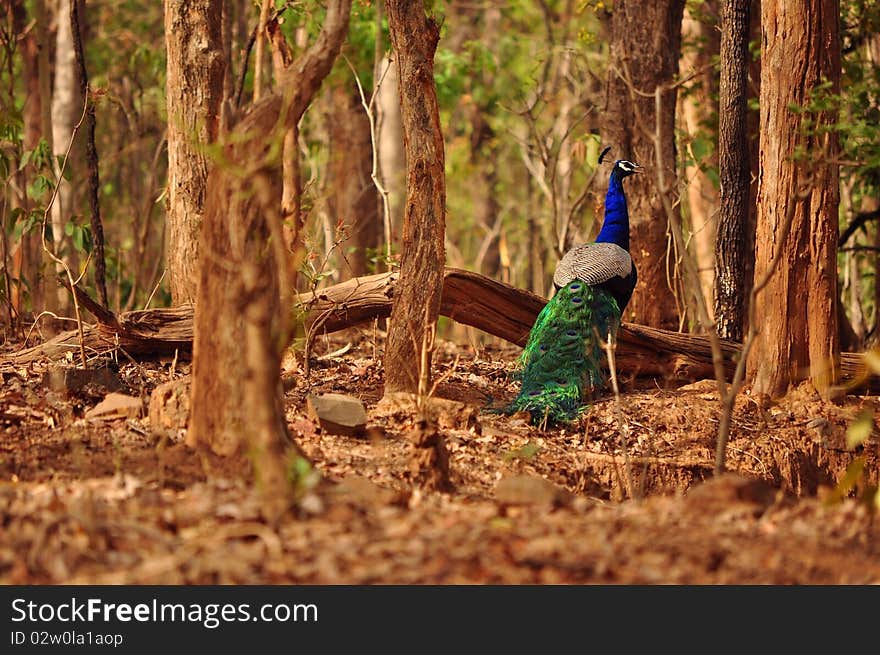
(469, 298)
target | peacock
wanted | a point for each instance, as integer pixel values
(562, 359)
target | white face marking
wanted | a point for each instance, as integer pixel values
(627, 166)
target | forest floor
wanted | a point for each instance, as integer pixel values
(625, 496)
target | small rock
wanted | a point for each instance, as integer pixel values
(311, 504)
(337, 413)
(116, 405)
(530, 490)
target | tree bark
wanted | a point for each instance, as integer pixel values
(91, 155)
(733, 169)
(699, 109)
(25, 274)
(353, 200)
(797, 311)
(245, 279)
(389, 141)
(417, 302)
(645, 46)
(66, 106)
(194, 95)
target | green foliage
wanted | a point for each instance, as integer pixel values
(80, 235)
(301, 475)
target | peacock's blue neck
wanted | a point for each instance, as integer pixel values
(615, 228)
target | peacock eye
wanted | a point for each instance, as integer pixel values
(542, 348)
(576, 300)
(574, 286)
(571, 333)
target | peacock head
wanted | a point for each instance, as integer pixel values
(624, 168)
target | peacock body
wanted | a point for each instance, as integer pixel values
(562, 361)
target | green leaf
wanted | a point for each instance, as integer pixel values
(860, 429)
(38, 187)
(78, 241)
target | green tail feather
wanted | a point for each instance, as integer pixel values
(562, 360)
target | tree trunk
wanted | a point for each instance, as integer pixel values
(417, 303)
(392, 158)
(25, 267)
(240, 330)
(699, 108)
(645, 46)
(91, 155)
(797, 311)
(353, 200)
(194, 95)
(66, 109)
(733, 169)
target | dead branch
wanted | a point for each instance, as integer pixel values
(469, 298)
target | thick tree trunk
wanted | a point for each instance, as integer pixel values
(194, 94)
(353, 199)
(645, 46)
(797, 312)
(240, 329)
(699, 108)
(417, 302)
(733, 169)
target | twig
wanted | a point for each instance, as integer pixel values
(612, 369)
(155, 288)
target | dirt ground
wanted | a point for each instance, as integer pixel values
(626, 496)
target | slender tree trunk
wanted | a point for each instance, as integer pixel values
(260, 50)
(699, 108)
(417, 303)
(753, 129)
(66, 107)
(389, 135)
(353, 199)
(91, 155)
(25, 267)
(291, 187)
(797, 311)
(645, 46)
(194, 93)
(733, 169)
